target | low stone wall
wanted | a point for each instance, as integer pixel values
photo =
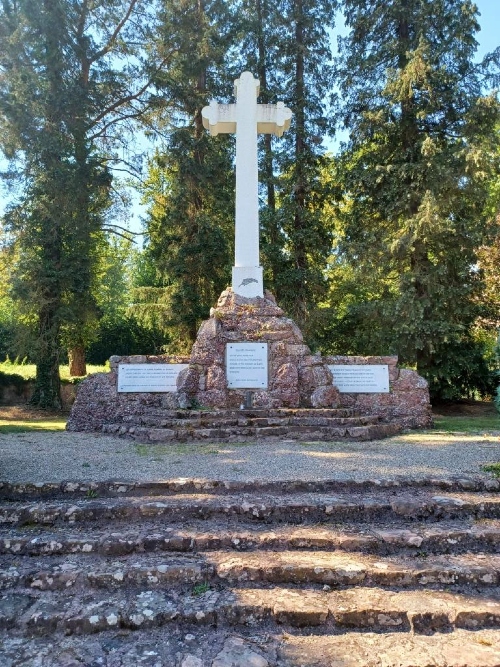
(297, 378)
(11, 394)
(98, 401)
(16, 394)
(407, 401)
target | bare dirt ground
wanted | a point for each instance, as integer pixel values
(465, 408)
(26, 412)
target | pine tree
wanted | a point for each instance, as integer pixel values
(259, 24)
(190, 185)
(415, 173)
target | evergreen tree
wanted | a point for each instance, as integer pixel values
(414, 177)
(71, 72)
(191, 219)
(259, 25)
(287, 43)
(190, 185)
(310, 80)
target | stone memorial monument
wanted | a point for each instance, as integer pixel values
(249, 369)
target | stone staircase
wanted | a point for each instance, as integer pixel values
(160, 425)
(198, 573)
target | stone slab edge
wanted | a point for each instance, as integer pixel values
(122, 488)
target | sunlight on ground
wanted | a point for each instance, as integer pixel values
(443, 438)
(28, 371)
(332, 455)
(22, 426)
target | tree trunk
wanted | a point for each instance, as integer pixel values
(265, 97)
(77, 365)
(47, 393)
(299, 250)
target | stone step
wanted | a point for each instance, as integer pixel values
(203, 646)
(461, 648)
(123, 488)
(372, 565)
(211, 648)
(341, 569)
(245, 433)
(362, 609)
(255, 413)
(331, 569)
(295, 509)
(215, 421)
(391, 537)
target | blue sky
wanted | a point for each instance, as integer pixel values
(489, 36)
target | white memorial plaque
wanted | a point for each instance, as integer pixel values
(361, 379)
(246, 365)
(142, 378)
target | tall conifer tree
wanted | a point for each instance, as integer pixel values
(287, 43)
(190, 224)
(71, 72)
(415, 173)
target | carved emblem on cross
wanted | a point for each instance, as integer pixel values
(246, 119)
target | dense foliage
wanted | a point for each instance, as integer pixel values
(189, 188)
(413, 184)
(63, 91)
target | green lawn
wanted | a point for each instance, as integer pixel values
(28, 425)
(28, 371)
(494, 468)
(468, 424)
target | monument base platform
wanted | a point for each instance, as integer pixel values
(298, 401)
(226, 425)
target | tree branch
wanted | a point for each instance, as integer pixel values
(126, 236)
(128, 98)
(107, 47)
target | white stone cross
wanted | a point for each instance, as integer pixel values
(246, 118)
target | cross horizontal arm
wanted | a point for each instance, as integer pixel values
(219, 118)
(273, 118)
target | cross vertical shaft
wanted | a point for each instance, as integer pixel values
(247, 196)
(246, 118)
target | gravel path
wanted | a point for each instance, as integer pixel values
(58, 456)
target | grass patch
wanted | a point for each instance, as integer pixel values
(28, 371)
(494, 468)
(31, 425)
(24, 419)
(201, 588)
(466, 424)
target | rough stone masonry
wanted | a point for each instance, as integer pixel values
(297, 378)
